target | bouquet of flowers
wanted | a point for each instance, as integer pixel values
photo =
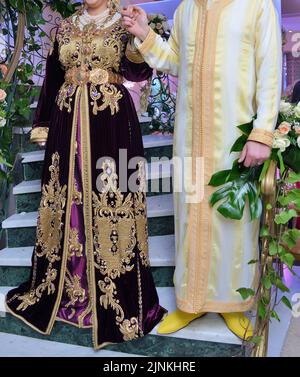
(159, 23)
(240, 184)
(287, 135)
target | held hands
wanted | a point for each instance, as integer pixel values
(135, 21)
(254, 154)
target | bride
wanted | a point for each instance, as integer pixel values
(90, 265)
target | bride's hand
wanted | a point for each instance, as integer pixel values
(135, 21)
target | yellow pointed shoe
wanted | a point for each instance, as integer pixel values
(239, 324)
(176, 321)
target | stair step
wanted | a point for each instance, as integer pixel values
(161, 250)
(24, 346)
(156, 170)
(158, 206)
(211, 328)
(150, 141)
(27, 187)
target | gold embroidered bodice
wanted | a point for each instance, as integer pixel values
(91, 55)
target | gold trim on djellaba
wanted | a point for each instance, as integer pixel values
(200, 226)
(262, 136)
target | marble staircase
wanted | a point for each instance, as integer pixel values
(207, 336)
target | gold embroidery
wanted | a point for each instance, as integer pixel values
(114, 226)
(39, 134)
(77, 195)
(32, 297)
(129, 328)
(119, 223)
(49, 224)
(49, 234)
(110, 96)
(91, 56)
(75, 247)
(73, 289)
(133, 54)
(141, 215)
(65, 94)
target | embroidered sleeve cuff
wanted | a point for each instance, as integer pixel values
(261, 136)
(148, 43)
(133, 54)
(39, 134)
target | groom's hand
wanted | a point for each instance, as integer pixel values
(135, 20)
(254, 154)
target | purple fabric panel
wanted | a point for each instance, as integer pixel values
(77, 265)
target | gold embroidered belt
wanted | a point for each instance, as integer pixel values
(97, 76)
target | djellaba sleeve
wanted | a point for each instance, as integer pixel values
(268, 60)
(54, 78)
(160, 54)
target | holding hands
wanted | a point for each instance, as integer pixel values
(135, 21)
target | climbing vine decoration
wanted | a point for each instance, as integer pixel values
(24, 27)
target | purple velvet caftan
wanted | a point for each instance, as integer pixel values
(90, 265)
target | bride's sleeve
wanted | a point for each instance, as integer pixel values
(133, 66)
(54, 78)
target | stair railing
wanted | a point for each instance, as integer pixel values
(18, 48)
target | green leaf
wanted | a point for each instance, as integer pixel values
(264, 232)
(255, 203)
(290, 237)
(293, 177)
(273, 248)
(281, 163)
(233, 207)
(239, 144)
(285, 216)
(291, 158)
(219, 178)
(246, 128)
(275, 315)
(220, 194)
(280, 285)
(265, 169)
(253, 261)
(288, 259)
(291, 196)
(246, 293)
(266, 282)
(286, 302)
(256, 339)
(261, 309)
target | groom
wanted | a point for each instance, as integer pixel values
(227, 56)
